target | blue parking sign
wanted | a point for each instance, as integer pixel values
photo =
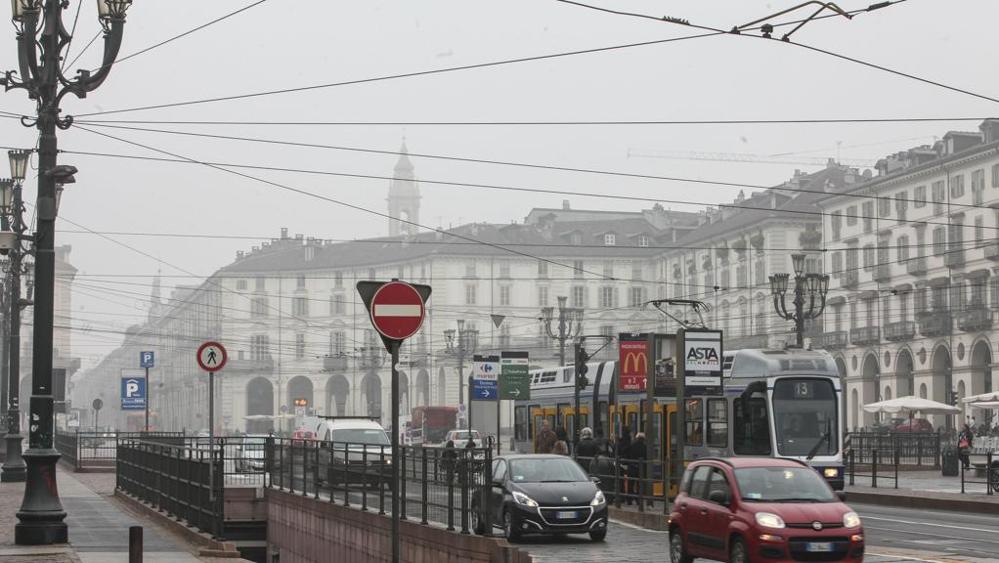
(133, 393)
(146, 359)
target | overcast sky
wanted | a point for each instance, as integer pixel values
(286, 44)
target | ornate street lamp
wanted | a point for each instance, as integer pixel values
(42, 39)
(460, 343)
(570, 322)
(811, 286)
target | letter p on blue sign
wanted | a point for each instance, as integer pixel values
(146, 359)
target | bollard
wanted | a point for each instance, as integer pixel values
(874, 469)
(617, 481)
(402, 483)
(465, 475)
(853, 468)
(988, 474)
(381, 481)
(896, 469)
(135, 544)
(423, 484)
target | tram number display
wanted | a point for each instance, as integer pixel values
(804, 390)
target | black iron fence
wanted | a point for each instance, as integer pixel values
(644, 484)
(97, 450)
(878, 468)
(447, 486)
(985, 466)
(919, 449)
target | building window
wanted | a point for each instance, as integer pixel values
(608, 297)
(579, 296)
(610, 239)
(939, 195)
(901, 205)
(300, 306)
(957, 186)
(504, 296)
(977, 186)
(902, 247)
(884, 207)
(240, 284)
(371, 274)
(300, 346)
(400, 273)
(837, 263)
(300, 282)
(337, 305)
(637, 295)
(259, 284)
(338, 279)
(259, 347)
(979, 229)
(994, 292)
(505, 270)
(471, 294)
(867, 210)
(542, 296)
(636, 271)
(258, 307)
(868, 257)
(338, 343)
(470, 270)
(607, 330)
(836, 223)
(919, 197)
(542, 269)
(577, 269)
(995, 175)
(939, 240)
(851, 216)
(643, 241)
(883, 247)
(609, 269)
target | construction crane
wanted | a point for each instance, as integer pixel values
(744, 157)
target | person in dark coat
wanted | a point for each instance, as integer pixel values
(624, 442)
(637, 454)
(587, 448)
(965, 441)
(562, 435)
(602, 467)
(448, 460)
(545, 439)
(623, 449)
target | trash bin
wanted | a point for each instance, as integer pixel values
(949, 462)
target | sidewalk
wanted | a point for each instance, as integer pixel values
(98, 527)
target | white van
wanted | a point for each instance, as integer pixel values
(352, 449)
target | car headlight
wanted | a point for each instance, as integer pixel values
(598, 499)
(830, 472)
(851, 520)
(524, 500)
(769, 520)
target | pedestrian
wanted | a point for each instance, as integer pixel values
(561, 434)
(603, 444)
(588, 447)
(560, 448)
(624, 442)
(448, 459)
(545, 439)
(637, 454)
(965, 440)
(602, 467)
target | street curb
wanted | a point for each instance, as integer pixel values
(648, 520)
(207, 547)
(915, 501)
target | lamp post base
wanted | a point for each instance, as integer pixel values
(14, 469)
(41, 515)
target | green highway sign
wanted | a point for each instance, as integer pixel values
(514, 380)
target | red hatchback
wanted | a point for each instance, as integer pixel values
(761, 509)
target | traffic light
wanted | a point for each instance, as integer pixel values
(581, 369)
(953, 398)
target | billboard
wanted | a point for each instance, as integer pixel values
(633, 362)
(702, 362)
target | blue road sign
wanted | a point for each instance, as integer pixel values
(133, 393)
(146, 359)
(485, 390)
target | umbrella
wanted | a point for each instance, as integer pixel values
(911, 405)
(984, 397)
(985, 405)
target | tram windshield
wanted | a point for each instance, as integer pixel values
(805, 417)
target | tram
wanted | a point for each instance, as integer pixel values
(781, 403)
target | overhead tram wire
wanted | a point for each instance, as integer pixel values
(222, 166)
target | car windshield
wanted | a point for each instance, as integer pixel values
(464, 436)
(782, 484)
(254, 444)
(372, 436)
(546, 470)
(805, 417)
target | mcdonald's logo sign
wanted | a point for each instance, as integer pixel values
(633, 363)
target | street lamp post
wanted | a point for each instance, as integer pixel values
(41, 40)
(460, 343)
(812, 286)
(12, 212)
(570, 322)
(370, 358)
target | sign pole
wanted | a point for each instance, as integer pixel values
(393, 346)
(650, 399)
(679, 367)
(499, 408)
(148, 390)
(211, 435)
(471, 398)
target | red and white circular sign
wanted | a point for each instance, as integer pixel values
(397, 310)
(212, 356)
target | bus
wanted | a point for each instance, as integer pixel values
(781, 403)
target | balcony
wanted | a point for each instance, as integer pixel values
(832, 340)
(992, 252)
(259, 366)
(864, 336)
(976, 318)
(901, 330)
(934, 323)
(954, 258)
(850, 278)
(882, 272)
(334, 363)
(916, 266)
(745, 342)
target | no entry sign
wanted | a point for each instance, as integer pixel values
(397, 310)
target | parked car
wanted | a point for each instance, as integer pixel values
(542, 494)
(250, 454)
(761, 509)
(460, 438)
(913, 425)
(353, 449)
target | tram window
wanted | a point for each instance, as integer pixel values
(672, 432)
(750, 427)
(718, 423)
(538, 423)
(584, 420)
(653, 437)
(604, 420)
(520, 419)
(695, 422)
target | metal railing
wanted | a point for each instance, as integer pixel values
(90, 450)
(990, 469)
(879, 466)
(447, 486)
(919, 449)
(646, 484)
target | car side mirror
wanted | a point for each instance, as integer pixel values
(841, 495)
(719, 497)
(594, 479)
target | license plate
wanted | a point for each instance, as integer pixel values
(568, 515)
(819, 547)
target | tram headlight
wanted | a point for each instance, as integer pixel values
(830, 472)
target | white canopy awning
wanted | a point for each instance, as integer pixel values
(985, 405)
(984, 397)
(911, 405)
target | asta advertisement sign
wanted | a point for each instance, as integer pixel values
(702, 362)
(633, 362)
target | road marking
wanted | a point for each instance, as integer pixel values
(907, 558)
(634, 527)
(964, 528)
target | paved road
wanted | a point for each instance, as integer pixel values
(893, 535)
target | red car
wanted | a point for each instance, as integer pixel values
(913, 425)
(761, 509)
